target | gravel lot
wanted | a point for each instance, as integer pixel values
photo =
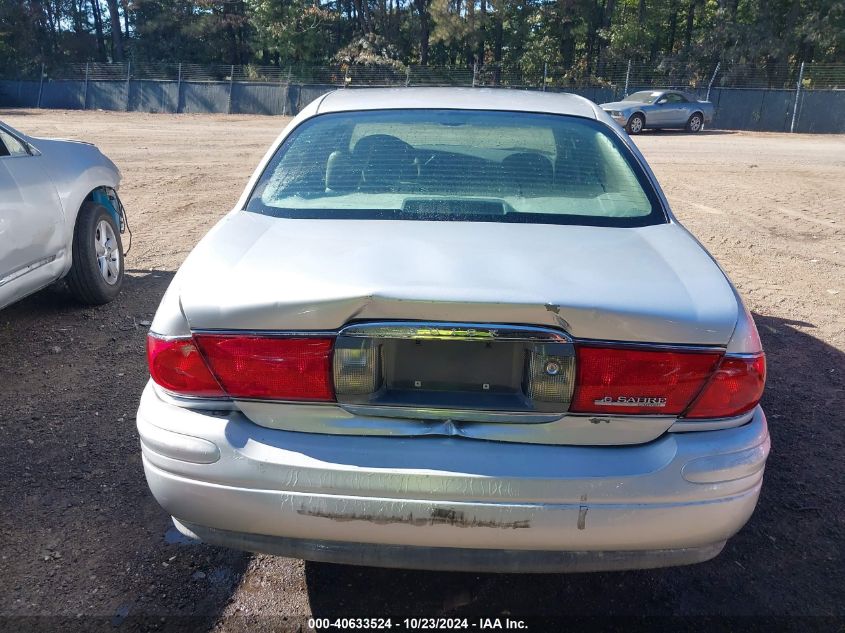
(81, 535)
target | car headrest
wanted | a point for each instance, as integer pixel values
(528, 170)
(383, 159)
(342, 172)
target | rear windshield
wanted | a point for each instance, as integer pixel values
(458, 165)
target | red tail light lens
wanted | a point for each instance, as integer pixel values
(270, 367)
(735, 388)
(177, 366)
(635, 381)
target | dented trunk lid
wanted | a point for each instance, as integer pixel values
(653, 284)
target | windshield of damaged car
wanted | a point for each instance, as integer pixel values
(460, 165)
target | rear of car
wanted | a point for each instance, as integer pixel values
(451, 337)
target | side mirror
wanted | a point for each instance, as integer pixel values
(661, 101)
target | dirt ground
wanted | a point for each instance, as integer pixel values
(82, 537)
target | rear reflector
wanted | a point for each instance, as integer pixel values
(735, 388)
(176, 365)
(269, 367)
(635, 381)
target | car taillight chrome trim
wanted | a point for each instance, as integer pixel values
(267, 333)
(527, 394)
(687, 425)
(452, 331)
(657, 347)
(222, 403)
(454, 415)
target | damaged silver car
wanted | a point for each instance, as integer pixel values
(60, 218)
(458, 330)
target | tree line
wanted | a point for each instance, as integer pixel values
(580, 36)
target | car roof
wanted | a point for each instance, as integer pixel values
(349, 99)
(664, 91)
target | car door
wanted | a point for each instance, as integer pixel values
(655, 113)
(675, 110)
(32, 221)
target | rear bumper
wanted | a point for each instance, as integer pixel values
(450, 558)
(451, 503)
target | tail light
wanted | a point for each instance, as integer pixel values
(270, 367)
(598, 379)
(696, 385)
(735, 388)
(274, 368)
(636, 381)
(177, 366)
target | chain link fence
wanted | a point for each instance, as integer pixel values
(615, 75)
(777, 97)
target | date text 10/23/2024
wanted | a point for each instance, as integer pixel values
(416, 624)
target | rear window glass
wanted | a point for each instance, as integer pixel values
(456, 165)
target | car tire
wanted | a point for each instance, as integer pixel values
(96, 273)
(695, 123)
(635, 124)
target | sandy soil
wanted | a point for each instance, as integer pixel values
(82, 537)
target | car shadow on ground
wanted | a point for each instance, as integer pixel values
(86, 537)
(705, 132)
(786, 561)
(15, 112)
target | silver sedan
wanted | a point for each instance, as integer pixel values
(60, 217)
(653, 109)
(455, 329)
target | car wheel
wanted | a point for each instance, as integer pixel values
(695, 123)
(635, 124)
(96, 273)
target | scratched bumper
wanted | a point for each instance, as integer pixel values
(480, 505)
(450, 558)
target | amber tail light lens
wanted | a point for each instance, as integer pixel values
(735, 388)
(628, 381)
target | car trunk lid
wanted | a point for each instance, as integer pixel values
(652, 284)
